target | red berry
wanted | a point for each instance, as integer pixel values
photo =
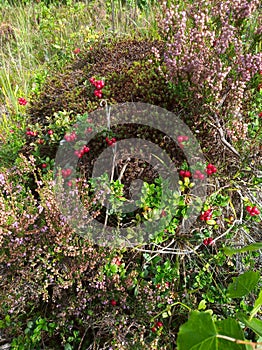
(249, 209)
(92, 80)
(260, 114)
(99, 84)
(180, 138)
(98, 93)
(159, 324)
(182, 173)
(44, 165)
(109, 142)
(50, 132)
(113, 302)
(187, 173)
(214, 169)
(209, 171)
(210, 240)
(255, 210)
(210, 166)
(113, 140)
(153, 329)
(22, 101)
(205, 241)
(185, 138)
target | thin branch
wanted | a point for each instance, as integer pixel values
(238, 341)
(222, 136)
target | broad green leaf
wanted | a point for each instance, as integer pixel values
(257, 305)
(243, 284)
(250, 248)
(232, 329)
(200, 332)
(255, 324)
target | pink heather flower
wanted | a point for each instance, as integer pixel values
(22, 101)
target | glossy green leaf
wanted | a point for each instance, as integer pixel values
(243, 284)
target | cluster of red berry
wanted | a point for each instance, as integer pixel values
(208, 241)
(66, 172)
(252, 210)
(22, 101)
(29, 132)
(211, 169)
(98, 84)
(70, 137)
(157, 325)
(207, 215)
(81, 152)
(110, 141)
(185, 173)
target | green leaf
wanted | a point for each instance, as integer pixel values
(243, 284)
(257, 305)
(255, 324)
(250, 248)
(68, 347)
(211, 222)
(201, 333)
(230, 328)
(202, 305)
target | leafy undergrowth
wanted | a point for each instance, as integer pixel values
(73, 282)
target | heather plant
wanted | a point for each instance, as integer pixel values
(213, 57)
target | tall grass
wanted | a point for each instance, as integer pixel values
(45, 36)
